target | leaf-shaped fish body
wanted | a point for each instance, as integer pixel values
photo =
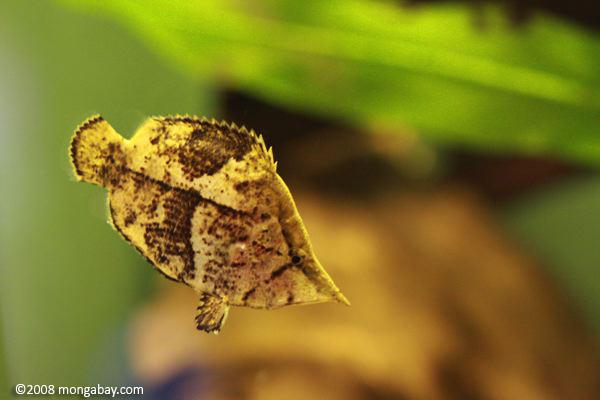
(202, 201)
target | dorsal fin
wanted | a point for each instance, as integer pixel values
(226, 128)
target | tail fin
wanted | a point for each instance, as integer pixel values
(96, 152)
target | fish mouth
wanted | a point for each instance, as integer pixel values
(339, 296)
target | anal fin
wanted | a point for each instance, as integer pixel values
(212, 313)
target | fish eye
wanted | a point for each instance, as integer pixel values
(296, 259)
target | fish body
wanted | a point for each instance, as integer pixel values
(202, 201)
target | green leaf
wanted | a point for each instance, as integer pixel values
(532, 89)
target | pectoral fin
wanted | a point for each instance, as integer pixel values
(212, 313)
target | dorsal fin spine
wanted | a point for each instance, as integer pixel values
(231, 126)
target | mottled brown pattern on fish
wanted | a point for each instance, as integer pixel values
(172, 236)
(202, 201)
(207, 146)
(163, 237)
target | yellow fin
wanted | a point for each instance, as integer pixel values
(212, 313)
(96, 149)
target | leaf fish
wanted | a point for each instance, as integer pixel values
(202, 201)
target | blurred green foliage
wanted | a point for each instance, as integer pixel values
(459, 80)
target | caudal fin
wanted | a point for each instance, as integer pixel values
(97, 152)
